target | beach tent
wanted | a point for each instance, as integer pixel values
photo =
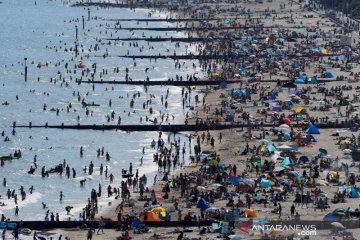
(271, 148)
(250, 213)
(227, 21)
(328, 75)
(298, 109)
(287, 136)
(135, 223)
(276, 109)
(304, 159)
(312, 129)
(287, 121)
(202, 204)
(265, 183)
(234, 180)
(285, 184)
(151, 217)
(300, 81)
(158, 209)
(353, 193)
(294, 34)
(312, 80)
(285, 162)
(322, 152)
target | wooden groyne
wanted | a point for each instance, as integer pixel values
(109, 224)
(188, 29)
(178, 39)
(198, 83)
(167, 83)
(215, 56)
(174, 127)
(140, 128)
(175, 19)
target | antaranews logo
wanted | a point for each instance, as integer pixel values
(301, 229)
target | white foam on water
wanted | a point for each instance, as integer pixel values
(30, 199)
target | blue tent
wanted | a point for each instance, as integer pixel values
(312, 129)
(285, 162)
(300, 80)
(271, 148)
(286, 184)
(353, 193)
(202, 204)
(234, 180)
(328, 75)
(287, 136)
(265, 183)
(229, 118)
(227, 21)
(331, 217)
(135, 223)
(312, 80)
(304, 159)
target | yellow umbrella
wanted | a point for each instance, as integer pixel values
(158, 209)
(298, 109)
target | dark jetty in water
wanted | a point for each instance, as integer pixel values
(217, 82)
(174, 127)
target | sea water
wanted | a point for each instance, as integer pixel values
(31, 31)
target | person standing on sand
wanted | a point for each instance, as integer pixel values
(101, 225)
(89, 234)
(280, 209)
(292, 210)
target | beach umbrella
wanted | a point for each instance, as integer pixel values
(264, 141)
(284, 126)
(158, 209)
(284, 147)
(201, 188)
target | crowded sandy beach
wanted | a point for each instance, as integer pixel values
(174, 120)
